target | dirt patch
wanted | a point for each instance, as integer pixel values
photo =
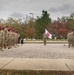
(34, 72)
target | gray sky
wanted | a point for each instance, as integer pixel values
(21, 8)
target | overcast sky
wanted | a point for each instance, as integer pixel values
(21, 8)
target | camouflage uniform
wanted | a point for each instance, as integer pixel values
(11, 38)
(8, 37)
(17, 36)
(44, 38)
(70, 38)
(5, 36)
(2, 38)
(73, 39)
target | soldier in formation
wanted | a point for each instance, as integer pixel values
(8, 38)
(70, 38)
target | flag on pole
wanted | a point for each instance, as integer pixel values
(48, 34)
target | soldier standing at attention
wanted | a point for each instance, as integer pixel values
(0, 39)
(5, 36)
(44, 38)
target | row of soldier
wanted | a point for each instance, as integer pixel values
(8, 38)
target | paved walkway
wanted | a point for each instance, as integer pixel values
(38, 57)
(51, 51)
(37, 64)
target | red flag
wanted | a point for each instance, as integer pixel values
(48, 34)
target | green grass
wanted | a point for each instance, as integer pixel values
(32, 72)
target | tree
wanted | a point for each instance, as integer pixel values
(68, 20)
(41, 24)
(29, 30)
(70, 23)
(58, 29)
(16, 25)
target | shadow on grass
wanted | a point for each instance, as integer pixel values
(34, 72)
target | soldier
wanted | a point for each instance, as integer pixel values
(70, 38)
(1, 38)
(5, 36)
(44, 38)
(73, 38)
(9, 39)
(17, 37)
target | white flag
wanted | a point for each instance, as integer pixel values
(48, 34)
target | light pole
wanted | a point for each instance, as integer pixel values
(32, 15)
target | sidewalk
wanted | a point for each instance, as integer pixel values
(48, 42)
(37, 64)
